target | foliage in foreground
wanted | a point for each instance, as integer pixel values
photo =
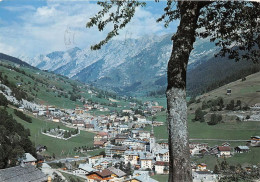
(237, 173)
(14, 140)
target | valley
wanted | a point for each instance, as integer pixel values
(58, 106)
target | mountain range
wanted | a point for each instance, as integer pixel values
(124, 66)
(131, 66)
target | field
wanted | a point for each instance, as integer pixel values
(160, 178)
(198, 130)
(61, 148)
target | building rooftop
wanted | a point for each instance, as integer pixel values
(224, 148)
(86, 167)
(28, 158)
(243, 147)
(26, 173)
(117, 172)
(104, 173)
(162, 151)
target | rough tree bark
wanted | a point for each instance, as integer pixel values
(180, 169)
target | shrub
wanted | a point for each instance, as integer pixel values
(22, 116)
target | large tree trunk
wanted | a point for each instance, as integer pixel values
(180, 169)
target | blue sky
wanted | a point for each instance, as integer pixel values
(29, 28)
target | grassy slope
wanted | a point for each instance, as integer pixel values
(245, 91)
(55, 145)
(47, 96)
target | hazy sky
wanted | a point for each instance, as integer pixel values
(30, 28)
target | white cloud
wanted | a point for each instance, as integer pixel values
(43, 30)
(18, 8)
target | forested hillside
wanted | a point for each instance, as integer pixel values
(14, 140)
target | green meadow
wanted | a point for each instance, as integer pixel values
(61, 148)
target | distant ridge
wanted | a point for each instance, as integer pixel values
(15, 60)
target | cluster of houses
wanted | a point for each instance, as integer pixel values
(224, 150)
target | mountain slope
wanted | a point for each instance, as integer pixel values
(14, 60)
(127, 67)
(248, 91)
(217, 72)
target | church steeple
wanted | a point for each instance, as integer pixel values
(152, 140)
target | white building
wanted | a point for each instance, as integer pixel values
(83, 169)
(161, 167)
(162, 155)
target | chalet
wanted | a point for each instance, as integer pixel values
(241, 149)
(79, 110)
(198, 148)
(140, 134)
(78, 123)
(94, 159)
(134, 143)
(127, 111)
(199, 176)
(132, 157)
(161, 167)
(100, 176)
(157, 108)
(21, 108)
(162, 155)
(201, 167)
(116, 122)
(120, 138)
(141, 176)
(112, 150)
(99, 143)
(89, 127)
(101, 136)
(144, 134)
(228, 91)
(83, 169)
(42, 112)
(28, 159)
(117, 174)
(255, 141)
(224, 151)
(51, 108)
(41, 148)
(141, 119)
(146, 160)
(102, 164)
(164, 145)
(123, 128)
(56, 119)
(35, 113)
(24, 173)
